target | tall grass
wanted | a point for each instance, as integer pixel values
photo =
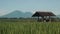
(29, 27)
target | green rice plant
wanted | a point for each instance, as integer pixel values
(29, 27)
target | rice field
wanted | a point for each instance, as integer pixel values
(29, 27)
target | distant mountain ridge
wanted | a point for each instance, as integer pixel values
(17, 14)
(58, 16)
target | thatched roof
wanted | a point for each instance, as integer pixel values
(43, 14)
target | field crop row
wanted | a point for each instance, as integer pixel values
(29, 28)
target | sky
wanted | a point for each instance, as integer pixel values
(7, 6)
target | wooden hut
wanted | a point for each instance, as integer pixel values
(46, 16)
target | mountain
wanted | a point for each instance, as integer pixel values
(58, 16)
(27, 14)
(17, 14)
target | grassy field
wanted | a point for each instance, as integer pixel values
(28, 27)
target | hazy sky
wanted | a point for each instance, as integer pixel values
(7, 6)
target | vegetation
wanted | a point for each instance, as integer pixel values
(28, 27)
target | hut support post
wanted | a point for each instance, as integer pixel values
(38, 18)
(49, 18)
(43, 18)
